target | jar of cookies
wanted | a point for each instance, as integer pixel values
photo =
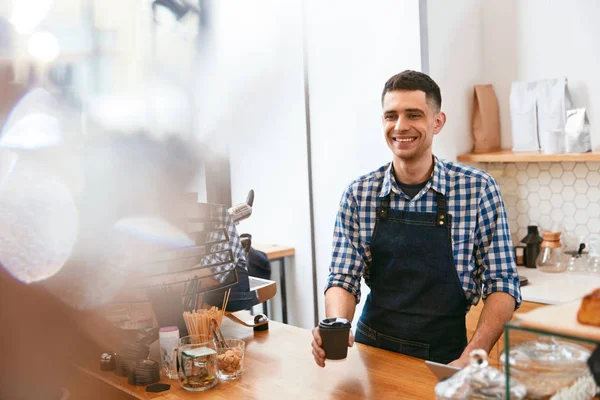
(230, 359)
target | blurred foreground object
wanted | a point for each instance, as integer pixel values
(242, 211)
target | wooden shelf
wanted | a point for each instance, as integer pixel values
(527, 156)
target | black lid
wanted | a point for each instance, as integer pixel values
(533, 236)
(333, 323)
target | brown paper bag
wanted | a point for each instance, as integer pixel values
(486, 120)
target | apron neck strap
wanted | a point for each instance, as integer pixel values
(442, 209)
(385, 206)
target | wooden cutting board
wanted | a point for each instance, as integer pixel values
(561, 319)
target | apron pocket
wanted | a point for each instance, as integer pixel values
(410, 348)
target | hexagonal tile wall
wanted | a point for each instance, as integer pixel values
(580, 170)
(550, 195)
(544, 178)
(556, 170)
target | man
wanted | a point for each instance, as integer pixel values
(430, 238)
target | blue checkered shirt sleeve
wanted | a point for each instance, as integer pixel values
(348, 259)
(493, 251)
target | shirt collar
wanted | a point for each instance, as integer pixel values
(437, 181)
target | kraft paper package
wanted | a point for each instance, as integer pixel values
(577, 132)
(553, 101)
(523, 115)
(486, 120)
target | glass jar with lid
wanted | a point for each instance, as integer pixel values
(547, 365)
(478, 381)
(551, 258)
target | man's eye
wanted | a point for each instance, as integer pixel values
(413, 116)
(390, 117)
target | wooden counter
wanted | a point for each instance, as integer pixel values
(279, 364)
(275, 251)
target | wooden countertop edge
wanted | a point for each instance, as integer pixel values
(274, 252)
(93, 374)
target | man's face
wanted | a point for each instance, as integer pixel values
(409, 124)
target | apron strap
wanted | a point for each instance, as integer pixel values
(442, 209)
(384, 208)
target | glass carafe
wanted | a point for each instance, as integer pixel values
(551, 257)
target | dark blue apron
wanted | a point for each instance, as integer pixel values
(417, 305)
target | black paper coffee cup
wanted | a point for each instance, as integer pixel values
(334, 334)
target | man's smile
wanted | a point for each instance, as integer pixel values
(404, 139)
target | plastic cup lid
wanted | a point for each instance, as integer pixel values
(334, 323)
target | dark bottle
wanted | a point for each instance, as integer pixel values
(532, 242)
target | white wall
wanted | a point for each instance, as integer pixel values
(353, 48)
(257, 110)
(501, 41)
(563, 41)
(456, 64)
(500, 52)
(536, 39)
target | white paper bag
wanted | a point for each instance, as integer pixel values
(577, 132)
(523, 116)
(553, 100)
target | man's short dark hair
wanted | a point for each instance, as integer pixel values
(414, 80)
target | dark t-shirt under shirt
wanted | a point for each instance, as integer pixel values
(413, 189)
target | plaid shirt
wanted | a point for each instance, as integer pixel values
(482, 246)
(219, 213)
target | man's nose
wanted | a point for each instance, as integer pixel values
(401, 124)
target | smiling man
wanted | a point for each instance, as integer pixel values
(429, 236)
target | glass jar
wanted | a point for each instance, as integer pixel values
(578, 261)
(594, 264)
(547, 365)
(478, 381)
(594, 255)
(551, 257)
(197, 362)
(230, 359)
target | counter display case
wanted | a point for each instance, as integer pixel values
(548, 350)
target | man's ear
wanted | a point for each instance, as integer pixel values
(439, 122)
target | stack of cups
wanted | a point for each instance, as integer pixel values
(554, 142)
